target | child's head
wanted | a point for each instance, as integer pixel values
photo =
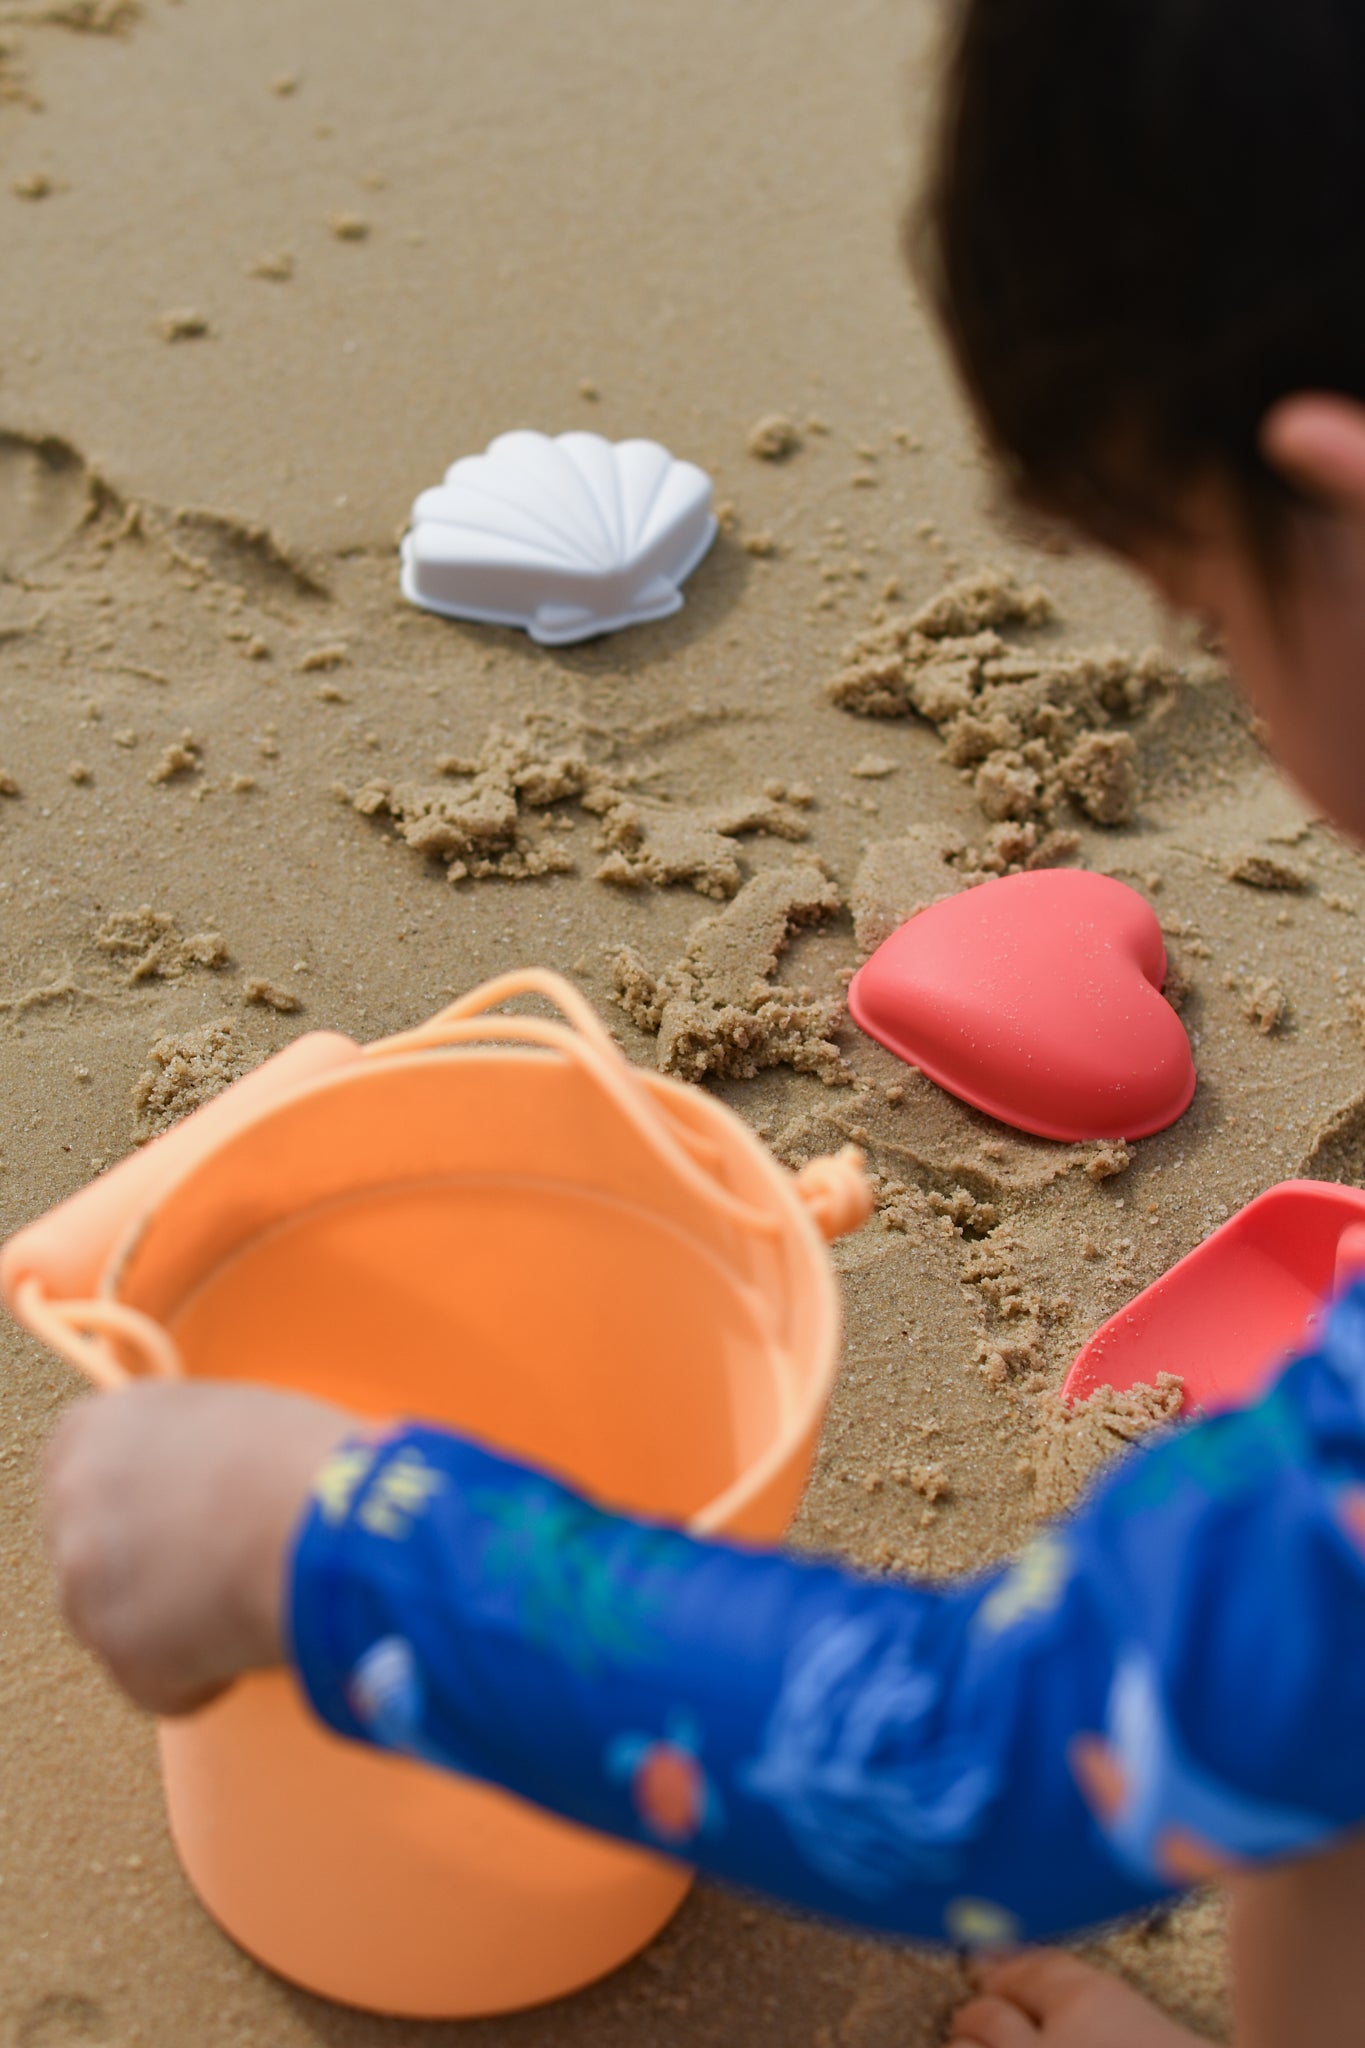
(1145, 235)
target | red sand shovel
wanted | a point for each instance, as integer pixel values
(1231, 1313)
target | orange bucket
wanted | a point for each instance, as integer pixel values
(496, 1223)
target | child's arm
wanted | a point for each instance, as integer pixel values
(1173, 1681)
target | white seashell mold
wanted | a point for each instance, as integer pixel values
(567, 537)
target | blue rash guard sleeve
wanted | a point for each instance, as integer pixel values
(1167, 1685)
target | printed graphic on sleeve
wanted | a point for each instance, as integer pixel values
(398, 1495)
(980, 1924)
(871, 1802)
(1351, 1509)
(386, 1694)
(337, 1483)
(1165, 1816)
(669, 1788)
(588, 1587)
(1032, 1588)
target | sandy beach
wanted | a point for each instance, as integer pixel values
(268, 269)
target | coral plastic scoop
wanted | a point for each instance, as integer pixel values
(1232, 1311)
(496, 1223)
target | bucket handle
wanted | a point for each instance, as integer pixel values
(590, 1046)
(72, 1329)
(832, 1190)
(832, 1187)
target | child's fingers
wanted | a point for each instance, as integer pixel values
(160, 1686)
(168, 1511)
(992, 2023)
(82, 1564)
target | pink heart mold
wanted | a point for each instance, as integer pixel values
(1036, 998)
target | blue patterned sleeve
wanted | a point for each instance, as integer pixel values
(1168, 1685)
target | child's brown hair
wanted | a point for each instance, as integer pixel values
(1145, 224)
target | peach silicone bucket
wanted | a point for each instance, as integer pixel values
(496, 1223)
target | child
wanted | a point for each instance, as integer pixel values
(1144, 240)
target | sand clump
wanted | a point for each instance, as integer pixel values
(1265, 871)
(265, 995)
(1035, 731)
(184, 1070)
(276, 267)
(1110, 1158)
(149, 947)
(182, 757)
(930, 1480)
(718, 1010)
(774, 437)
(646, 841)
(1100, 775)
(319, 660)
(1075, 1443)
(959, 1209)
(477, 822)
(183, 323)
(899, 877)
(493, 821)
(1012, 1310)
(1266, 1005)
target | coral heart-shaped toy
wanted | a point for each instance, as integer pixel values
(1036, 998)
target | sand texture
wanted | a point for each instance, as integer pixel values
(269, 267)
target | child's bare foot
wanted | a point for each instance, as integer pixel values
(1047, 1999)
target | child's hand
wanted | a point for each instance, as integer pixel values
(168, 1512)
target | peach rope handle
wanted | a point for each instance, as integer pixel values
(70, 1328)
(835, 1190)
(591, 1047)
(832, 1190)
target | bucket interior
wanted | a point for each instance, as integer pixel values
(575, 1329)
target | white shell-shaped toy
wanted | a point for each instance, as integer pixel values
(566, 537)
